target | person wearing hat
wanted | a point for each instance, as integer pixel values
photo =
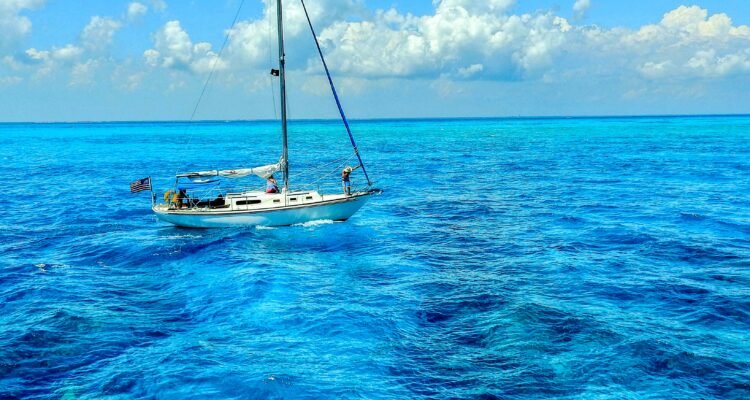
(271, 185)
(346, 184)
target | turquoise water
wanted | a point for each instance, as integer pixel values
(540, 258)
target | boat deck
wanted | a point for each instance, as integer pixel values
(255, 201)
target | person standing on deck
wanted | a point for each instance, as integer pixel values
(346, 184)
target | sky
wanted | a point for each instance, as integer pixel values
(64, 60)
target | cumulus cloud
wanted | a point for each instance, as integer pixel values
(175, 50)
(580, 7)
(61, 55)
(473, 6)
(708, 63)
(159, 5)
(136, 10)
(81, 59)
(470, 40)
(99, 32)
(460, 40)
(14, 26)
(78, 60)
(483, 40)
(45, 62)
(459, 36)
(690, 43)
(83, 73)
(253, 42)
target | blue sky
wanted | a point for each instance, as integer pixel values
(148, 59)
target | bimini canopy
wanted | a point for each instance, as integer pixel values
(263, 172)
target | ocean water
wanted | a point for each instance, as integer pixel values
(507, 259)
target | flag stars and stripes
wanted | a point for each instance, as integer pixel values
(140, 185)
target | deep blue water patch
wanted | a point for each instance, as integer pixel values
(507, 259)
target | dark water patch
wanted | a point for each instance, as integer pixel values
(743, 228)
(622, 295)
(555, 325)
(715, 375)
(572, 220)
(120, 384)
(622, 236)
(671, 250)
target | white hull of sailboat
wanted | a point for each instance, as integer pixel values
(187, 206)
(335, 210)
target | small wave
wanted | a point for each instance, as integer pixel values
(692, 217)
(179, 237)
(44, 267)
(311, 224)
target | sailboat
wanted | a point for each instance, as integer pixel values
(216, 208)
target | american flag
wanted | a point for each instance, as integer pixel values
(140, 185)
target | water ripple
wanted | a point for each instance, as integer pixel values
(507, 259)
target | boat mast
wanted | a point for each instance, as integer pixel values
(282, 78)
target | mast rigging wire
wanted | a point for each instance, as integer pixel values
(335, 95)
(216, 61)
(210, 76)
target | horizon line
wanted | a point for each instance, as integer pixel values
(385, 119)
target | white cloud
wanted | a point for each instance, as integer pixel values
(459, 42)
(175, 45)
(175, 50)
(151, 57)
(708, 63)
(689, 25)
(13, 26)
(136, 10)
(10, 80)
(253, 43)
(580, 7)
(83, 72)
(45, 63)
(66, 54)
(99, 32)
(473, 6)
(79, 60)
(63, 55)
(690, 43)
(250, 42)
(507, 46)
(131, 82)
(470, 70)
(159, 5)
(469, 40)
(655, 70)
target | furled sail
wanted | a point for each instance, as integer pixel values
(263, 172)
